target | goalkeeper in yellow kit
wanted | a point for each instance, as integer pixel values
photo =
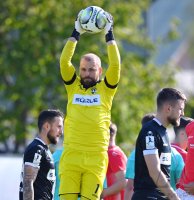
(84, 161)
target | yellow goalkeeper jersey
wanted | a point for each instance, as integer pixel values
(88, 110)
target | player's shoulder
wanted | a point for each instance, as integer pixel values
(148, 128)
(151, 128)
(177, 159)
(73, 83)
(175, 153)
(116, 151)
(36, 146)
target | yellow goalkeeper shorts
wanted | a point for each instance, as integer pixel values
(82, 172)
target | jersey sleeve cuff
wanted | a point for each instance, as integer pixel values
(150, 151)
(32, 165)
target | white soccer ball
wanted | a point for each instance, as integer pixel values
(93, 19)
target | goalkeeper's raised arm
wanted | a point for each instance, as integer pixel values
(113, 72)
(66, 67)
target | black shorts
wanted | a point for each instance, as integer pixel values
(148, 195)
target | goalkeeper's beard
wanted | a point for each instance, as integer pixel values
(88, 82)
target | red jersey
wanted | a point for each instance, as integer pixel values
(188, 171)
(117, 162)
(180, 150)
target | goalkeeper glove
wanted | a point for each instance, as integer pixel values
(78, 30)
(108, 29)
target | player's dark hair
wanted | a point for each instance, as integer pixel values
(48, 116)
(147, 117)
(171, 95)
(183, 123)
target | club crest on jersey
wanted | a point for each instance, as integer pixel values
(93, 90)
(150, 143)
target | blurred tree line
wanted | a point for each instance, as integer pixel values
(33, 33)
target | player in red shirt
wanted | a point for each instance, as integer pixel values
(187, 176)
(180, 141)
(115, 176)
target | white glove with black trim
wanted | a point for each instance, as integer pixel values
(78, 27)
(109, 22)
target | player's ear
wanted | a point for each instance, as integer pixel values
(46, 126)
(100, 71)
(167, 107)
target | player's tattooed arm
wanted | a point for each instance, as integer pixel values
(30, 174)
(155, 172)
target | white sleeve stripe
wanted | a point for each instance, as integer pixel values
(31, 164)
(150, 151)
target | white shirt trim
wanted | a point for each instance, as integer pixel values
(157, 121)
(32, 165)
(40, 140)
(150, 151)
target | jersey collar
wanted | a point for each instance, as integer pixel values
(157, 121)
(37, 138)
